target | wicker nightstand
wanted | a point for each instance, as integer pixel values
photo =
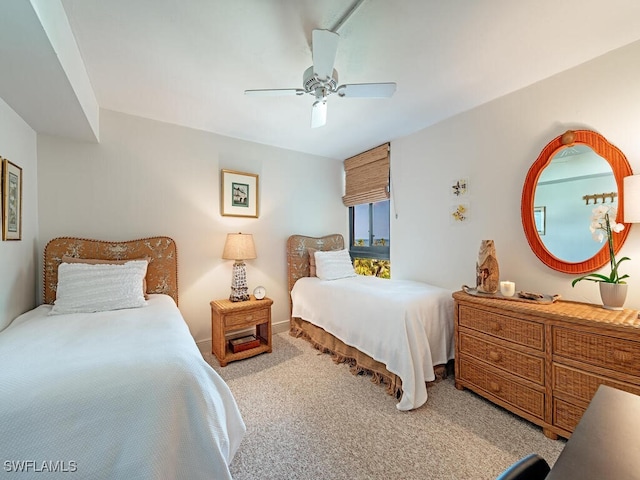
(228, 317)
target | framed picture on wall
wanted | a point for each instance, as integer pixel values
(238, 194)
(539, 215)
(11, 201)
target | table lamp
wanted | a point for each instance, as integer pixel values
(631, 187)
(239, 247)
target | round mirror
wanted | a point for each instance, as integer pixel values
(574, 172)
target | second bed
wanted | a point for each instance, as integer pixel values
(401, 331)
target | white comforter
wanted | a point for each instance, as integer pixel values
(113, 395)
(406, 325)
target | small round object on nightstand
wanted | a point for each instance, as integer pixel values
(259, 292)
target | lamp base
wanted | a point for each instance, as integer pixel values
(239, 289)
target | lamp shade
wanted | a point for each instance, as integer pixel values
(239, 246)
(632, 199)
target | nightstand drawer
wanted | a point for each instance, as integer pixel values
(522, 332)
(246, 319)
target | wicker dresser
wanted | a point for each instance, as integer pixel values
(544, 362)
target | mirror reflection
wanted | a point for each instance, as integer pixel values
(567, 191)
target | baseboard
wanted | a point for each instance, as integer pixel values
(277, 327)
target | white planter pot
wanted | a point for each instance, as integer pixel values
(613, 295)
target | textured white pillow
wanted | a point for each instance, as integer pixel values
(85, 288)
(334, 264)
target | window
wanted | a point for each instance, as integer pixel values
(367, 196)
(369, 238)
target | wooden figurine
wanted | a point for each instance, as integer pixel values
(487, 271)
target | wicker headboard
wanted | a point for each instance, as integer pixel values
(298, 254)
(162, 273)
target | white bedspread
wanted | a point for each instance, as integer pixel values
(112, 395)
(408, 326)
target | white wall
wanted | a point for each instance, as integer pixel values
(18, 258)
(150, 178)
(494, 146)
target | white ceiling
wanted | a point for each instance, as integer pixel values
(188, 62)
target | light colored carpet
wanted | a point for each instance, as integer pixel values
(308, 418)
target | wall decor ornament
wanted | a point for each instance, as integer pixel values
(487, 271)
(238, 194)
(11, 201)
(459, 213)
(459, 187)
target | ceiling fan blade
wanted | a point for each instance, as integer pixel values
(274, 92)
(325, 46)
(319, 113)
(367, 90)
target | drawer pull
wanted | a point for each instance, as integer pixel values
(495, 327)
(622, 356)
(494, 386)
(495, 356)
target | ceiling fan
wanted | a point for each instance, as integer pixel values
(321, 79)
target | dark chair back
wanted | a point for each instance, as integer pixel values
(531, 467)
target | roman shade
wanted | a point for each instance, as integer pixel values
(367, 177)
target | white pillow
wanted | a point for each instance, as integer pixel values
(85, 288)
(334, 264)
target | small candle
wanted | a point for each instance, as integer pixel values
(508, 289)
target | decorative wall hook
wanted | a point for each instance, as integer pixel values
(600, 196)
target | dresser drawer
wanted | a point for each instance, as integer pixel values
(514, 393)
(522, 332)
(518, 363)
(246, 319)
(583, 385)
(608, 352)
(566, 415)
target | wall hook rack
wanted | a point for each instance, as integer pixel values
(600, 196)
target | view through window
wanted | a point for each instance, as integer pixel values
(370, 238)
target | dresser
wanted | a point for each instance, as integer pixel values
(544, 362)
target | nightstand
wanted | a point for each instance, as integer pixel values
(228, 317)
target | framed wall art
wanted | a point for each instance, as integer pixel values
(459, 213)
(238, 194)
(11, 201)
(540, 218)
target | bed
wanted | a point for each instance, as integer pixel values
(121, 393)
(400, 332)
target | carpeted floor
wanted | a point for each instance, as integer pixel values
(308, 418)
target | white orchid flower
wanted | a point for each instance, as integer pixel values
(600, 211)
(616, 227)
(603, 225)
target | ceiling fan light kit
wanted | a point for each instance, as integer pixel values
(321, 80)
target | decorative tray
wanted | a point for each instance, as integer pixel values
(520, 296)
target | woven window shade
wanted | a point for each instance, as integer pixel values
(367, 177)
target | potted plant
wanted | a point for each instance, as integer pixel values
(613, 288)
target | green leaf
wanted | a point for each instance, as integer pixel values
(592, 277)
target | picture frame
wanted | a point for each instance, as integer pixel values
(239, 195)
(11, 201)
(540, 218)
(459, 187)
(459, 213)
